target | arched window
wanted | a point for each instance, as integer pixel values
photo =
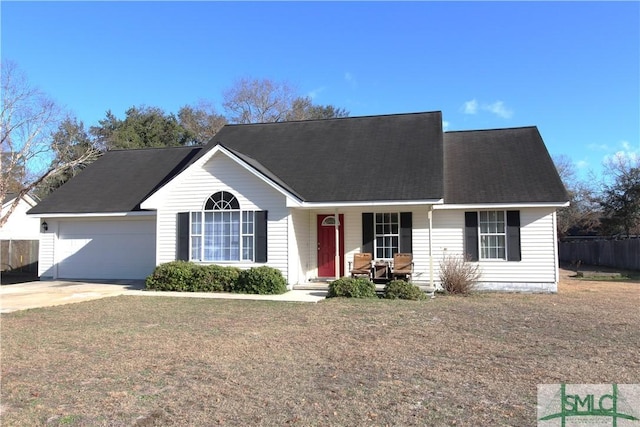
(222, 231)
(222, 201)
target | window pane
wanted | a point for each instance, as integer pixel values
(247, 248)
(196, 223)
(196, 248)
(387, 234)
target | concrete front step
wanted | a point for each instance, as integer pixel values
(324, 286)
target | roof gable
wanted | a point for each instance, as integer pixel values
(500, 166)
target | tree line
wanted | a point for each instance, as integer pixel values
(609, 206)
(42, 146)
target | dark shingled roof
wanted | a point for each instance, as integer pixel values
(500, 166)
(357, 159)
(118, 181)
(375, 158)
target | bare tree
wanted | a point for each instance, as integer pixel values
(583, 213)
(304, 109)
(620, 197)
(28, 117)
(258, 101)
(201, 121)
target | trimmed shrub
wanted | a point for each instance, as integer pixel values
(458, 275)
(172, 276)
(349, 287)
(261, 280)
(399, 289)
(185, 276)
(214, 278)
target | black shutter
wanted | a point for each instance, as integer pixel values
(471, 235)
(367, 234)
(182, 235)
(513, 236)
(406, 224)
(261, 236)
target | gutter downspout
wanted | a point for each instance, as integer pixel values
(337, 254)
(430, 216)
(555, 250)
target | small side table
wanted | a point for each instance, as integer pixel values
(381, 270)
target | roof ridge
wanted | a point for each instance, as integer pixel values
(335, 118)
(491, 129)
(173, 147)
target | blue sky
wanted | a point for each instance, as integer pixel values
(570, 68)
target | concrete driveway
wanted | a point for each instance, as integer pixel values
(22, 296)
(36, 294)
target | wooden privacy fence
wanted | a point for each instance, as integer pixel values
(623, 254)
(19, 256)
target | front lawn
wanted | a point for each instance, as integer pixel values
(472, 361)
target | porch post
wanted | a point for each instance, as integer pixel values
(337, 254)
(430, 216)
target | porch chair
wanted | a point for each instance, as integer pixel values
(361, 265)
(402, 266)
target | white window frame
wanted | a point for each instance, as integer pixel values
(384, 235)
(492, 234)
(244, 224)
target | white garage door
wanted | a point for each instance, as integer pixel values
(117, 249)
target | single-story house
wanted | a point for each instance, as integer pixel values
(305, 196)
(19, 236)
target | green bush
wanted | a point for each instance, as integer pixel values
(214, 278)
(399, 289)
(261, 280)
(172, 276)
(184, 276)
(352, 288)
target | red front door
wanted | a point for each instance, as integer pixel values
(327, 245)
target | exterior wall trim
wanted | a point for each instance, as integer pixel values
(476, 206)
(372, 203)
(94, 214)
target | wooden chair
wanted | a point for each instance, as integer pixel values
(361, 265)
(402, 266)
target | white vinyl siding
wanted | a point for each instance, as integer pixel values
(20, 226)
(46, 251)
(221, 173)
(537, 244)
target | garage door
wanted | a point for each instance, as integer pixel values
(117, 249)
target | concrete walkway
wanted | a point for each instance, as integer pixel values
(36, 294)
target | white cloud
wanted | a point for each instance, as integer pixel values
(315, 92)
(350, 78)
(582, 164)
(498, 108)
(445, 125)
(625, 154)
(470, 107)
(598, 147)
